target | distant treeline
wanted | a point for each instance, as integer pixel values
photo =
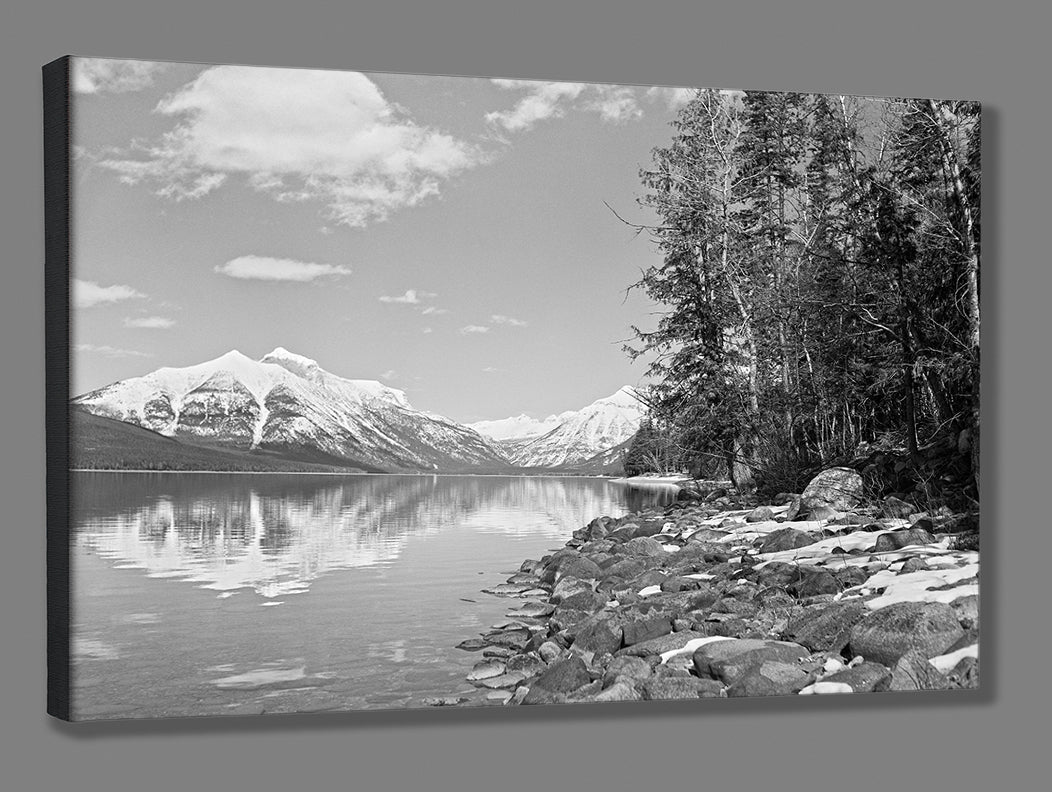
(818, 284)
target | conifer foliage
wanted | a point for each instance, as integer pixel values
(818, 281)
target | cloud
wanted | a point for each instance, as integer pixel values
(110, 351)
(473, 329)
(427, 330)
(411, 297)
(511, 321)
(432, 310)
(295, 135)
(88, 293)
(389, 374)
(493, 370)
(265, 268)
(674, 98)
(544, 100)
(101, 75)
(149, 322)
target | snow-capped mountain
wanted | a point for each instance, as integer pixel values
(579, 435)
(517, 427)
(287, 404)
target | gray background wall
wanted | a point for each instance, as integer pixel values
(995, 52)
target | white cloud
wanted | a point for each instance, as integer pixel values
(544, 100)
(110, 351)
(296, 135)
(473, 329)
(431, 310)
(511, 321)
(149, 322)
(88, 293)
(411, 297)
(389, 374)
(265, 268)
(427, 330)
(102, 75)
(674, 98)
(493, 370)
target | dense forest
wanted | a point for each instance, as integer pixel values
(816, 292)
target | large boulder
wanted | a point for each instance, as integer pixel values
(826, 628)
(887, 634)
(839, 488)
(863, 678)
(770, 678)
(912, 671)
(562, 677)
(674, 687)
(896, 540)
(728, 660)
(786, 539)
(645, 629)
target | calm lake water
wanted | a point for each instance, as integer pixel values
(209, 594)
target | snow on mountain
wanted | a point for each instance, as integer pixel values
(516, 427)
(579, 435)
(287, 403)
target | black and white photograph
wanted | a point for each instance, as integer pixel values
(395, 391)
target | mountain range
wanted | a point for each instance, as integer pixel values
(284, 408)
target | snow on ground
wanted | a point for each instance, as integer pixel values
(946, 663)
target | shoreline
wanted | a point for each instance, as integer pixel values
(725, 598)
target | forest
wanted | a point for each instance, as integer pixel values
(816, 293)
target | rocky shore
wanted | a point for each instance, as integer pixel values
(718, 596)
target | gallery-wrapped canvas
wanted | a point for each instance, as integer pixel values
(387, 391)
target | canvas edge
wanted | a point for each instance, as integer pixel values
(57, 128)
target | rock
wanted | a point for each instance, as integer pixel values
(562, 676)
(646, 629)
(526, 664)
(644, 546)
(619, 691)
(826, 628)
(515, 638)
(485, 670)
(679, 583)
(967, 611)
(666, 643)
(599, 636)
(443, 701)
(760, 514)
(634, 668)
(588, 601)
(498, 652)
(887, 634)
(896, 507)
(579, 567)
(769, 678)
(786, 539)
(965, 675)
(509, 680)
(814, 582)
(567, 587)
(913, 564)
(653, 577)
(650, 528)
(850, 576)
(549, 651)
(678, 687)
(863, 678)
(708, 535)
(533, 609)
(912, 671)
(726, 660)
(896, 540)
(626, 569)
(783, 498)
(795, 506)
(472, 644)
(839, 488)
(969, 542)
(822, 512)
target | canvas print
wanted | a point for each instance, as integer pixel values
(393, 391)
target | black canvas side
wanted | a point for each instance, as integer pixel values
(56, 335)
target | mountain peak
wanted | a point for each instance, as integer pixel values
(280, 353)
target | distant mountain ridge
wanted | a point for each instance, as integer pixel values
(285, 406)
(577, 436)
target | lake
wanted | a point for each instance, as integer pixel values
(212, 594)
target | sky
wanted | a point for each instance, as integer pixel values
(447, 236)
